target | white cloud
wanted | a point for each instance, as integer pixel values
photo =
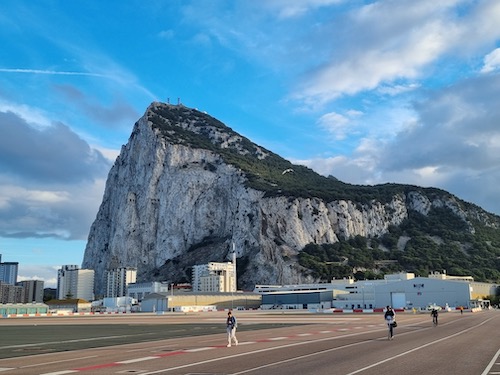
(335, 124)
(50, 72)
(384, 42)
(51, 180)
(47, 274)
(47, 197)
(353, 170)
(110, 153)
(491, 61)
(291, 9)
(397, 89)
(453, 143)
(33, 116)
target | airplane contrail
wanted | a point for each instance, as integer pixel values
(53, 72)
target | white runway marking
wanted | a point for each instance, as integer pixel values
(257, 351)
(61, 342)
(136, 360)
(490, 365)
(199, 349)
(61, 361)
(417, 348)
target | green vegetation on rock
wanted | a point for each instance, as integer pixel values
(439, 241)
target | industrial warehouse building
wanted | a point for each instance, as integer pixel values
(402, 291)
(163, 302)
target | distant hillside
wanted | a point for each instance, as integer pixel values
(421, 244)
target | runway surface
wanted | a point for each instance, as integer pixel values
(269, 343)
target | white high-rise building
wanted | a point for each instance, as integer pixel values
(117, 281)
(73, 282)
(214, 277)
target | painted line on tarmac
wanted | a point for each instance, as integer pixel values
(200, 349)
(185, 351)
(295, 358)
(490, 365)
(128, 361)
(169, 354)
(264, 350)
(61, 361)
(96, 367)
(246, 343)
(62, 342)
(417, 348)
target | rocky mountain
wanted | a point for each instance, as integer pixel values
(186, 187)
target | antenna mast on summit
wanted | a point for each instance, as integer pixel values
(234, 269)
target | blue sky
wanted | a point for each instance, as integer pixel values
(370, 92)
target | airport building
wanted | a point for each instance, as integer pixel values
(17, 309)
(139, 291)
(402, 291)
(192, 301)
(69, 306)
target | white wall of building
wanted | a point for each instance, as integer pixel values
(85, 284)
(421, 292)
(402, 290)
(75, 282)
(214, 277)
(140, 290)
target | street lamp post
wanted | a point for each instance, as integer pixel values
(172, 295)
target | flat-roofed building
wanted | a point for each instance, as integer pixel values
(10, 293)
(33, 290)
(214, 277)
(117, 281)
(75, 283)
(8, 271)
(139, 291)
(401, 291)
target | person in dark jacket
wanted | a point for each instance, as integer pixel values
(390, 318)
(231, 329)
(434, 314)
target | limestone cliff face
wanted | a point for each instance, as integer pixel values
(169, 205)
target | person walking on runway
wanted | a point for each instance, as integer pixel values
(231, 329)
